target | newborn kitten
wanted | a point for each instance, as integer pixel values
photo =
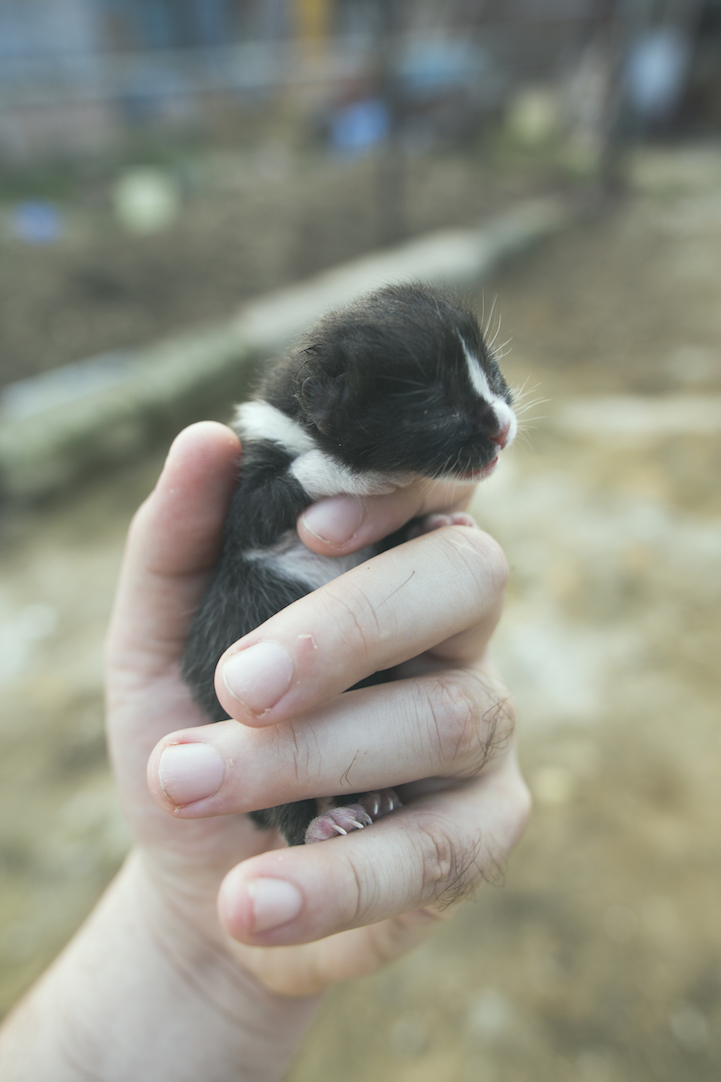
(397, 386)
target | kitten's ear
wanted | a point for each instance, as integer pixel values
(321, 396)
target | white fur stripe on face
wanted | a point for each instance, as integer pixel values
(478, 378)
(259, 420)
(479, 383)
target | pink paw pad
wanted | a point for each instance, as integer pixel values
(435, 522)
(458, 518)
(350, 817)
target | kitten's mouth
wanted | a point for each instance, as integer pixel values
(479, 474)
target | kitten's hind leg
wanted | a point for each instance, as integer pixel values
(350, 817)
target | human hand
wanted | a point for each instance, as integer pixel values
(442, 732)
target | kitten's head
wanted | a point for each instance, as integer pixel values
(403, 381)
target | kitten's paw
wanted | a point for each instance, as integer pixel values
(337, 821)
(350, 817)
(380, 802)
(435, 522)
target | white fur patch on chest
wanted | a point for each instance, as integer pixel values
(320, 475)
(292, 560)
(258, 420)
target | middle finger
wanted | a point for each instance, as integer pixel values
(443, 724)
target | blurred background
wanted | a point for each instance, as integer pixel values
(164, 162)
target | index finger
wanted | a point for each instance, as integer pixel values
(441, 592)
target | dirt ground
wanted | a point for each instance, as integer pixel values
(598, 959)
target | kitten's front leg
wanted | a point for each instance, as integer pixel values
(350, 817)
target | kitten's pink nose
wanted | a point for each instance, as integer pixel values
(501, 437)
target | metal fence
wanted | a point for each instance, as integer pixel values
(81, 74)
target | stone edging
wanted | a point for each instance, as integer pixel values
(73, 420)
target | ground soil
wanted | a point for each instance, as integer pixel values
(597, 956)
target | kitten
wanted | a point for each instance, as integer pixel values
(397, 386)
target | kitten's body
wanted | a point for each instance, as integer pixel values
(398, 386)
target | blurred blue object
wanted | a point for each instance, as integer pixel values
(37, 222)
(656, 69)
(359, 126)
(432, 66)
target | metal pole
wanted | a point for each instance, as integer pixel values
(392, 224)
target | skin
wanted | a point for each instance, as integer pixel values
(183, 971)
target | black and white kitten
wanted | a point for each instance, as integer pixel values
(398, 386)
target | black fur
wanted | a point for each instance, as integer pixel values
(244, 593)
(381, 386)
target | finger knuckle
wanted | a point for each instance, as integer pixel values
(455, 715)
(499, 715)
(519, 804)
(483, 555)
(450, 871)
(473, 718)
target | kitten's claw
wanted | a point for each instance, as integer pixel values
(350, 817)
(380, 802)
(337, 821)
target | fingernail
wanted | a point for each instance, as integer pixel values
(190, 772)
(335, 520)
(259, 676)
(274, 902)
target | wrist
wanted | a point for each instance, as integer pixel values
(140, 993)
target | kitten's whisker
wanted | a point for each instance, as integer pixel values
(498, 331)
(486, 327)
(519, 410)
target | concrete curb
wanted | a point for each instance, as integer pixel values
(74, 420)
